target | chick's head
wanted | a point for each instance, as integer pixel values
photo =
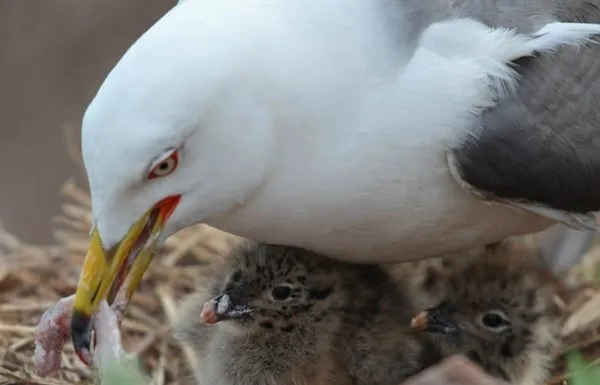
(500, 310)
(273, 287)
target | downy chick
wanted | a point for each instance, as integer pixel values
(499, 310)
(285, 316)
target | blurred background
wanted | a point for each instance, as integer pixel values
(53, 57)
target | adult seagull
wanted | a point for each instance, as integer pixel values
(342, 127)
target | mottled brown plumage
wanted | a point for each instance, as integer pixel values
(499, 309)
(288, 316)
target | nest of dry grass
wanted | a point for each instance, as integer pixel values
(33, 278)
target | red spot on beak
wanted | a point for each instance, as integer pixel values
(166, 207)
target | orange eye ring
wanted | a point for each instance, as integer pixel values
(165, 166)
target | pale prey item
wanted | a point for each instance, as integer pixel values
(113, 364)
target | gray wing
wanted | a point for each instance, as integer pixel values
(541, 147)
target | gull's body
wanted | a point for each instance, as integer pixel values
(371, 131)
(320, 142)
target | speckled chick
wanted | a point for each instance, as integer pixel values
(285, 316)
(499, 309)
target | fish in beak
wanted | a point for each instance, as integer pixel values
(223, 308)
(434, 320)
(105, 271)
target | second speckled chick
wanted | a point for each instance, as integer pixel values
(498, 307)
(285, 316)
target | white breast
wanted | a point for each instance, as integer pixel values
(375, 184)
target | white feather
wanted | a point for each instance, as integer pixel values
(553, 35)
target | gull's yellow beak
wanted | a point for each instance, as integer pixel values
(104, 272)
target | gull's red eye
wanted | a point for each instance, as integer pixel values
(164, 167)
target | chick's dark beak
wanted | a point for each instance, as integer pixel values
(434, 320)
(224, 307)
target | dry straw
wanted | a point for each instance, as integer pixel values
(33, 278)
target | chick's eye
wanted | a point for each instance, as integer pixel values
(492, 320)
(165, 166)
(495, 320)
(281, 293)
